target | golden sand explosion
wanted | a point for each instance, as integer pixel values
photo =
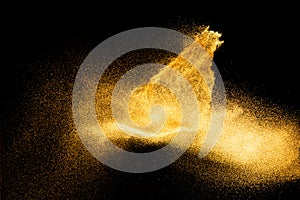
(259, 143)
(265, 146)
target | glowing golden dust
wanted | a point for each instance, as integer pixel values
(264, 146)
(144, 98)
(209, 39)
(253, 144)
(258, 143)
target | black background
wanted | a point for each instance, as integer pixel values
(263, 62)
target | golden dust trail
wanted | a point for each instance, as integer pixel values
(260, 142)
(260, 148)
